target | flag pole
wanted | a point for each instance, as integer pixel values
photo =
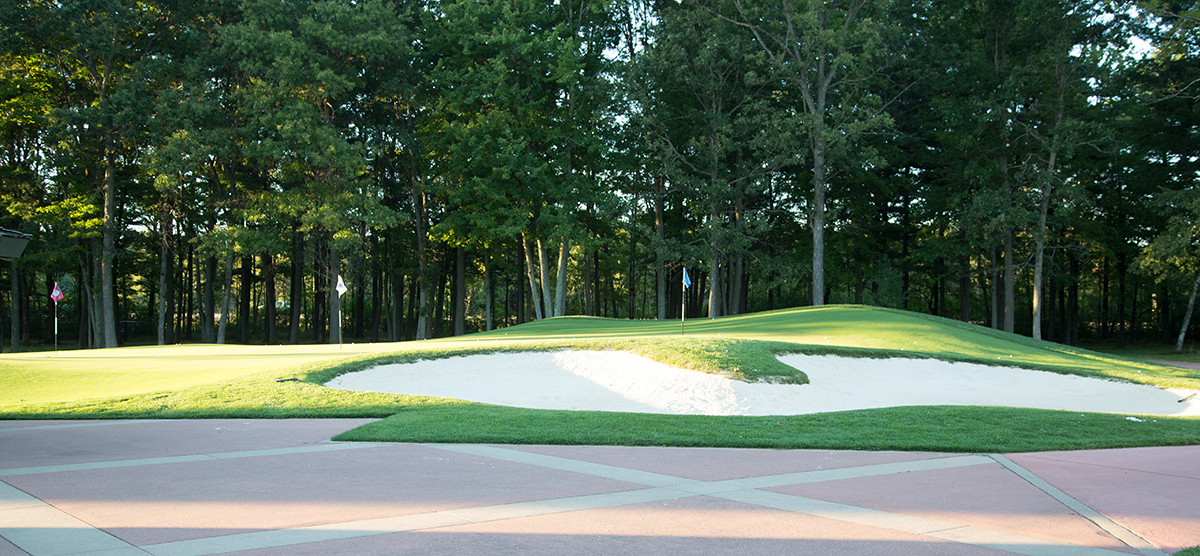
(341, 290)
(683, 303)
(56, 295)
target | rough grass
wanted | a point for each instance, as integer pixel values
(244, 382)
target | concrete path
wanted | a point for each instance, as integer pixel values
(182, 488)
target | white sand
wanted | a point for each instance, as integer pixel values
(621, 381)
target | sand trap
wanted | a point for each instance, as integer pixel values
(621, 381)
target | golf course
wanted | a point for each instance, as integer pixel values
(236, 381)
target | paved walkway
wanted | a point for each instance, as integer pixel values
(175, 488)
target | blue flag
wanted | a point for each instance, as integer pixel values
(687, 282)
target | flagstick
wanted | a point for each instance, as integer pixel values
(56, 327)
(683, 302)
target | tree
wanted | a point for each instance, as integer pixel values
(705, 103)
(826, 52)
(107, 49)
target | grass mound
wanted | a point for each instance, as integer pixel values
(205, 381)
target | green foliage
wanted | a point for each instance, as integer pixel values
(1177, 247)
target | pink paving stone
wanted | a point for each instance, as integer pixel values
(162, 503)
(696, 525)
(1154, 492)
(112, 441)
(715, 464)
(986, 496)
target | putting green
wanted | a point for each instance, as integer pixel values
(849, 330)
(72, 375)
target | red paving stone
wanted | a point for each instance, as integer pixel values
(55, 443)
(987, 496)
(696, 525)
(163, 503)
(1154, 492)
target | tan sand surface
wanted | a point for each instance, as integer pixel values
(621, 381)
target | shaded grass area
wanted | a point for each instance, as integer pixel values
(1194, 551)
(920, 428)
(1158, 352)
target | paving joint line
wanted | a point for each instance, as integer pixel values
(104, 423)
(190, 458)
(1120, 532)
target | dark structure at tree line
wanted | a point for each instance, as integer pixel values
(205, 171)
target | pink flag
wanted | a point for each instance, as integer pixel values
(56, 295)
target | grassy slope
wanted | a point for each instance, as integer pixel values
(240, 381)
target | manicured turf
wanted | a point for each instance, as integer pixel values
(930, 428)
(204, 381)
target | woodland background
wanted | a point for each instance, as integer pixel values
(204, 171)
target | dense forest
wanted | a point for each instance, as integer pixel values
(208, 171)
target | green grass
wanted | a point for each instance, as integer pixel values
(204, 381)
(1194, 551)
(922, 428)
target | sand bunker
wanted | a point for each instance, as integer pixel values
(621, 381)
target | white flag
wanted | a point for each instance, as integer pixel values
(341, 286)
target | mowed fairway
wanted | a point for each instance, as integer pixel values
(74, 375)
(207, 381)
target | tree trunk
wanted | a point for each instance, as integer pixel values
(225, 299)
(533, 289)
(544, 269)
(190, 284)
(1187, 317)
(109, 250)
(244, 305)
(97, 300)
(487, 290)
(163, 272)
(208, 304)
(714, 271)
(296, 294)
(15, 283)
(335, 297)
(360, 302)
(439, 303)
(460, 291)
(269, 295)
(1010, 297)
(1043, 211)
(818, 220)
(964, 297)
(560, 289)
(83, 294)
(422, 332)
(660, 269)
(521, 261)
(378, 295)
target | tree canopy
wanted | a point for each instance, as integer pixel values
(210, 171)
